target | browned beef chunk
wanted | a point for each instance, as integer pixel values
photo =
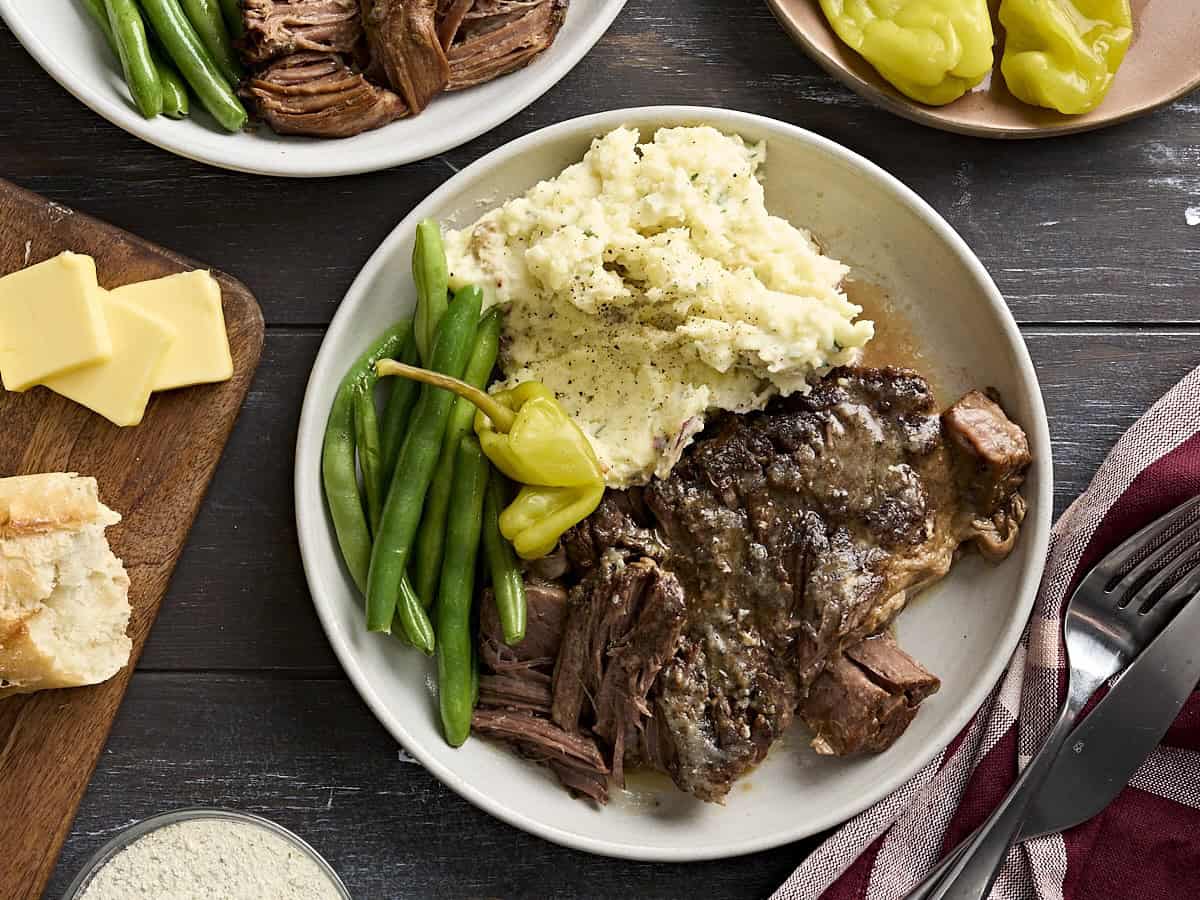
(624, 622)
(279, 27)
(546, 611)
(573, 756)
(992, 454)
(617, 524)
(797, 533)
(494, 37)
(402, 35)
(318, 94)
(865, 698)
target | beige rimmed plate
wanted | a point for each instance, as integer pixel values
(964, 630)
(1161, 66)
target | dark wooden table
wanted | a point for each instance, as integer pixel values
(238, 700)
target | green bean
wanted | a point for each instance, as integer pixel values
(401, 400)
(183, 45)
(205, 16)
(432, 278)
(133, 47)
(175, 100)
(232, 10)
(366, 441)
(508, 586)
(431, 539)
(455, 681)
(414, 470)
(337, 460)
(175, 95)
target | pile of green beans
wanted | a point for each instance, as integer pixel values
(427, 502)
(167, 46)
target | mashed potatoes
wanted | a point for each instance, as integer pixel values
(648, 285)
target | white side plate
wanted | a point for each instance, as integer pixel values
(66, 43)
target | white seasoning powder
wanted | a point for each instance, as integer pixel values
(211, 859)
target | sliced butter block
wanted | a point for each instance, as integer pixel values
(189, 302)
(51, 321)
(120, 388)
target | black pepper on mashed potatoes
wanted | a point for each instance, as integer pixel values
(647, 285)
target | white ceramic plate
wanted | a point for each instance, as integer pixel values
(964, 630)
(62, 38)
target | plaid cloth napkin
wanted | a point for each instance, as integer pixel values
(1146, 845)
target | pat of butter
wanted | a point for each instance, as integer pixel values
(51, 321)
(190, 302)
(120, 388)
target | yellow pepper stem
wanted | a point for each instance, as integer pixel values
(502, 417)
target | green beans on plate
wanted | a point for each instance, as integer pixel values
(455, 658)
(366, 442)
(508, 587)
(174, 91)
(431, 538)
(414, 470)
(338, 471)
(206, 18)
(194, 62)
(431, 275)
(133, 47)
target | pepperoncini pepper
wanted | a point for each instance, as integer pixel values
(1063, 54)
(535, 442)
(528, 436)
(931, 50)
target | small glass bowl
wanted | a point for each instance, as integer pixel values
(144, 827)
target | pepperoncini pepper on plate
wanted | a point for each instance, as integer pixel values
(1063, 54)
(528, 436)
(931, 50)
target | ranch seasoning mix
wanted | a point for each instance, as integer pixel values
(211, 859)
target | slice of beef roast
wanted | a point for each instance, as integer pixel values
(756, 582)
(799, 532)
(278, 27)
(402, 36)
(318, 94)
(490, 38)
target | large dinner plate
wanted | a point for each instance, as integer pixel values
(64, 41)
(964, 629)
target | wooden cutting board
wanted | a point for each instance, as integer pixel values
(155, 475)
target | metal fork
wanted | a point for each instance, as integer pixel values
(1109, 621)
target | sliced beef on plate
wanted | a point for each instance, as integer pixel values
(623, 624)
(318, 94)
(402, 36)
(279, 27)
(491, 38)
(797, 533)
(865, 698)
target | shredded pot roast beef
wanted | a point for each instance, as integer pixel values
(318, 94)
(400, 54)
(757, 583)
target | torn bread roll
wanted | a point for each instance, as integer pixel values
(64, 596)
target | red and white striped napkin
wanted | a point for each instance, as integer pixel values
(1146, 845)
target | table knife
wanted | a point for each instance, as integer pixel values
(1109, 745)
